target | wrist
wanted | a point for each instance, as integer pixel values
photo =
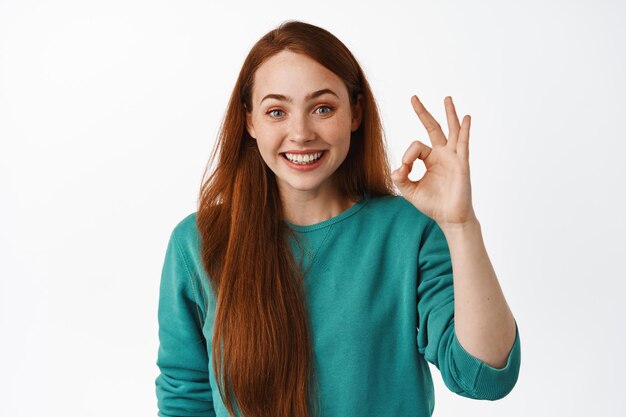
(471, 225)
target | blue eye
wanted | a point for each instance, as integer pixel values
(272, 113)
(327, 108)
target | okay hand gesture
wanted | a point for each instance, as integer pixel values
(444, 191)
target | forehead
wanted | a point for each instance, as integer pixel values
(294, 75)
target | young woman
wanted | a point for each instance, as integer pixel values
(303, 285)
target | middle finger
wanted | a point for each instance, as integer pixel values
(453, 121)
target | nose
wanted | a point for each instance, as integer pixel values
(301, 130)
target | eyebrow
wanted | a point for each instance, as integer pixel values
(313, 95)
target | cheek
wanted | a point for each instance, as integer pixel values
(338, 130)
(344, 136)
(267, 152)
(266, 138)
(268, 146)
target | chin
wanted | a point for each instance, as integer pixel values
(301, 185)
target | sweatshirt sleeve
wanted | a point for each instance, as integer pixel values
(182, 388)
(462, 373)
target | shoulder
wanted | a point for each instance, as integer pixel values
(392, 217)
(397, 209)
(187, 240)
(186, 236)
(186, 226)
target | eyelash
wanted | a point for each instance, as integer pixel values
(330, 110)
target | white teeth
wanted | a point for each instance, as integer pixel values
(303, 159)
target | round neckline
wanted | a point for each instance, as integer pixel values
(329, 222)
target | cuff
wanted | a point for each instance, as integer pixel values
(479, 379)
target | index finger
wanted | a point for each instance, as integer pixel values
(433, 128)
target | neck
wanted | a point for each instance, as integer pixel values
(304, 208)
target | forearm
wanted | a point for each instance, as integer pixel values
(484, 324)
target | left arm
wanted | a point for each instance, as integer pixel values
(483, 321)
(484, 324)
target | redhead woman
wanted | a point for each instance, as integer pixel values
(305, 284)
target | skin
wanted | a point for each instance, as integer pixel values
(484, 323)
(298, 122)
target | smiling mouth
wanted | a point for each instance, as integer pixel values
(303, 159)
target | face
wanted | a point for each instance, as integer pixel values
(301, 119)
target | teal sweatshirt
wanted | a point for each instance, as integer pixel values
(381, 303)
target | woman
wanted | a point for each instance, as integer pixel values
(303, 285)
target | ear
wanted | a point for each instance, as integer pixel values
(357, 113)
(249, 124)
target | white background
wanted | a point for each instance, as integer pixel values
(108, 113)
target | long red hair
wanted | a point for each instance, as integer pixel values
(261, 346)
